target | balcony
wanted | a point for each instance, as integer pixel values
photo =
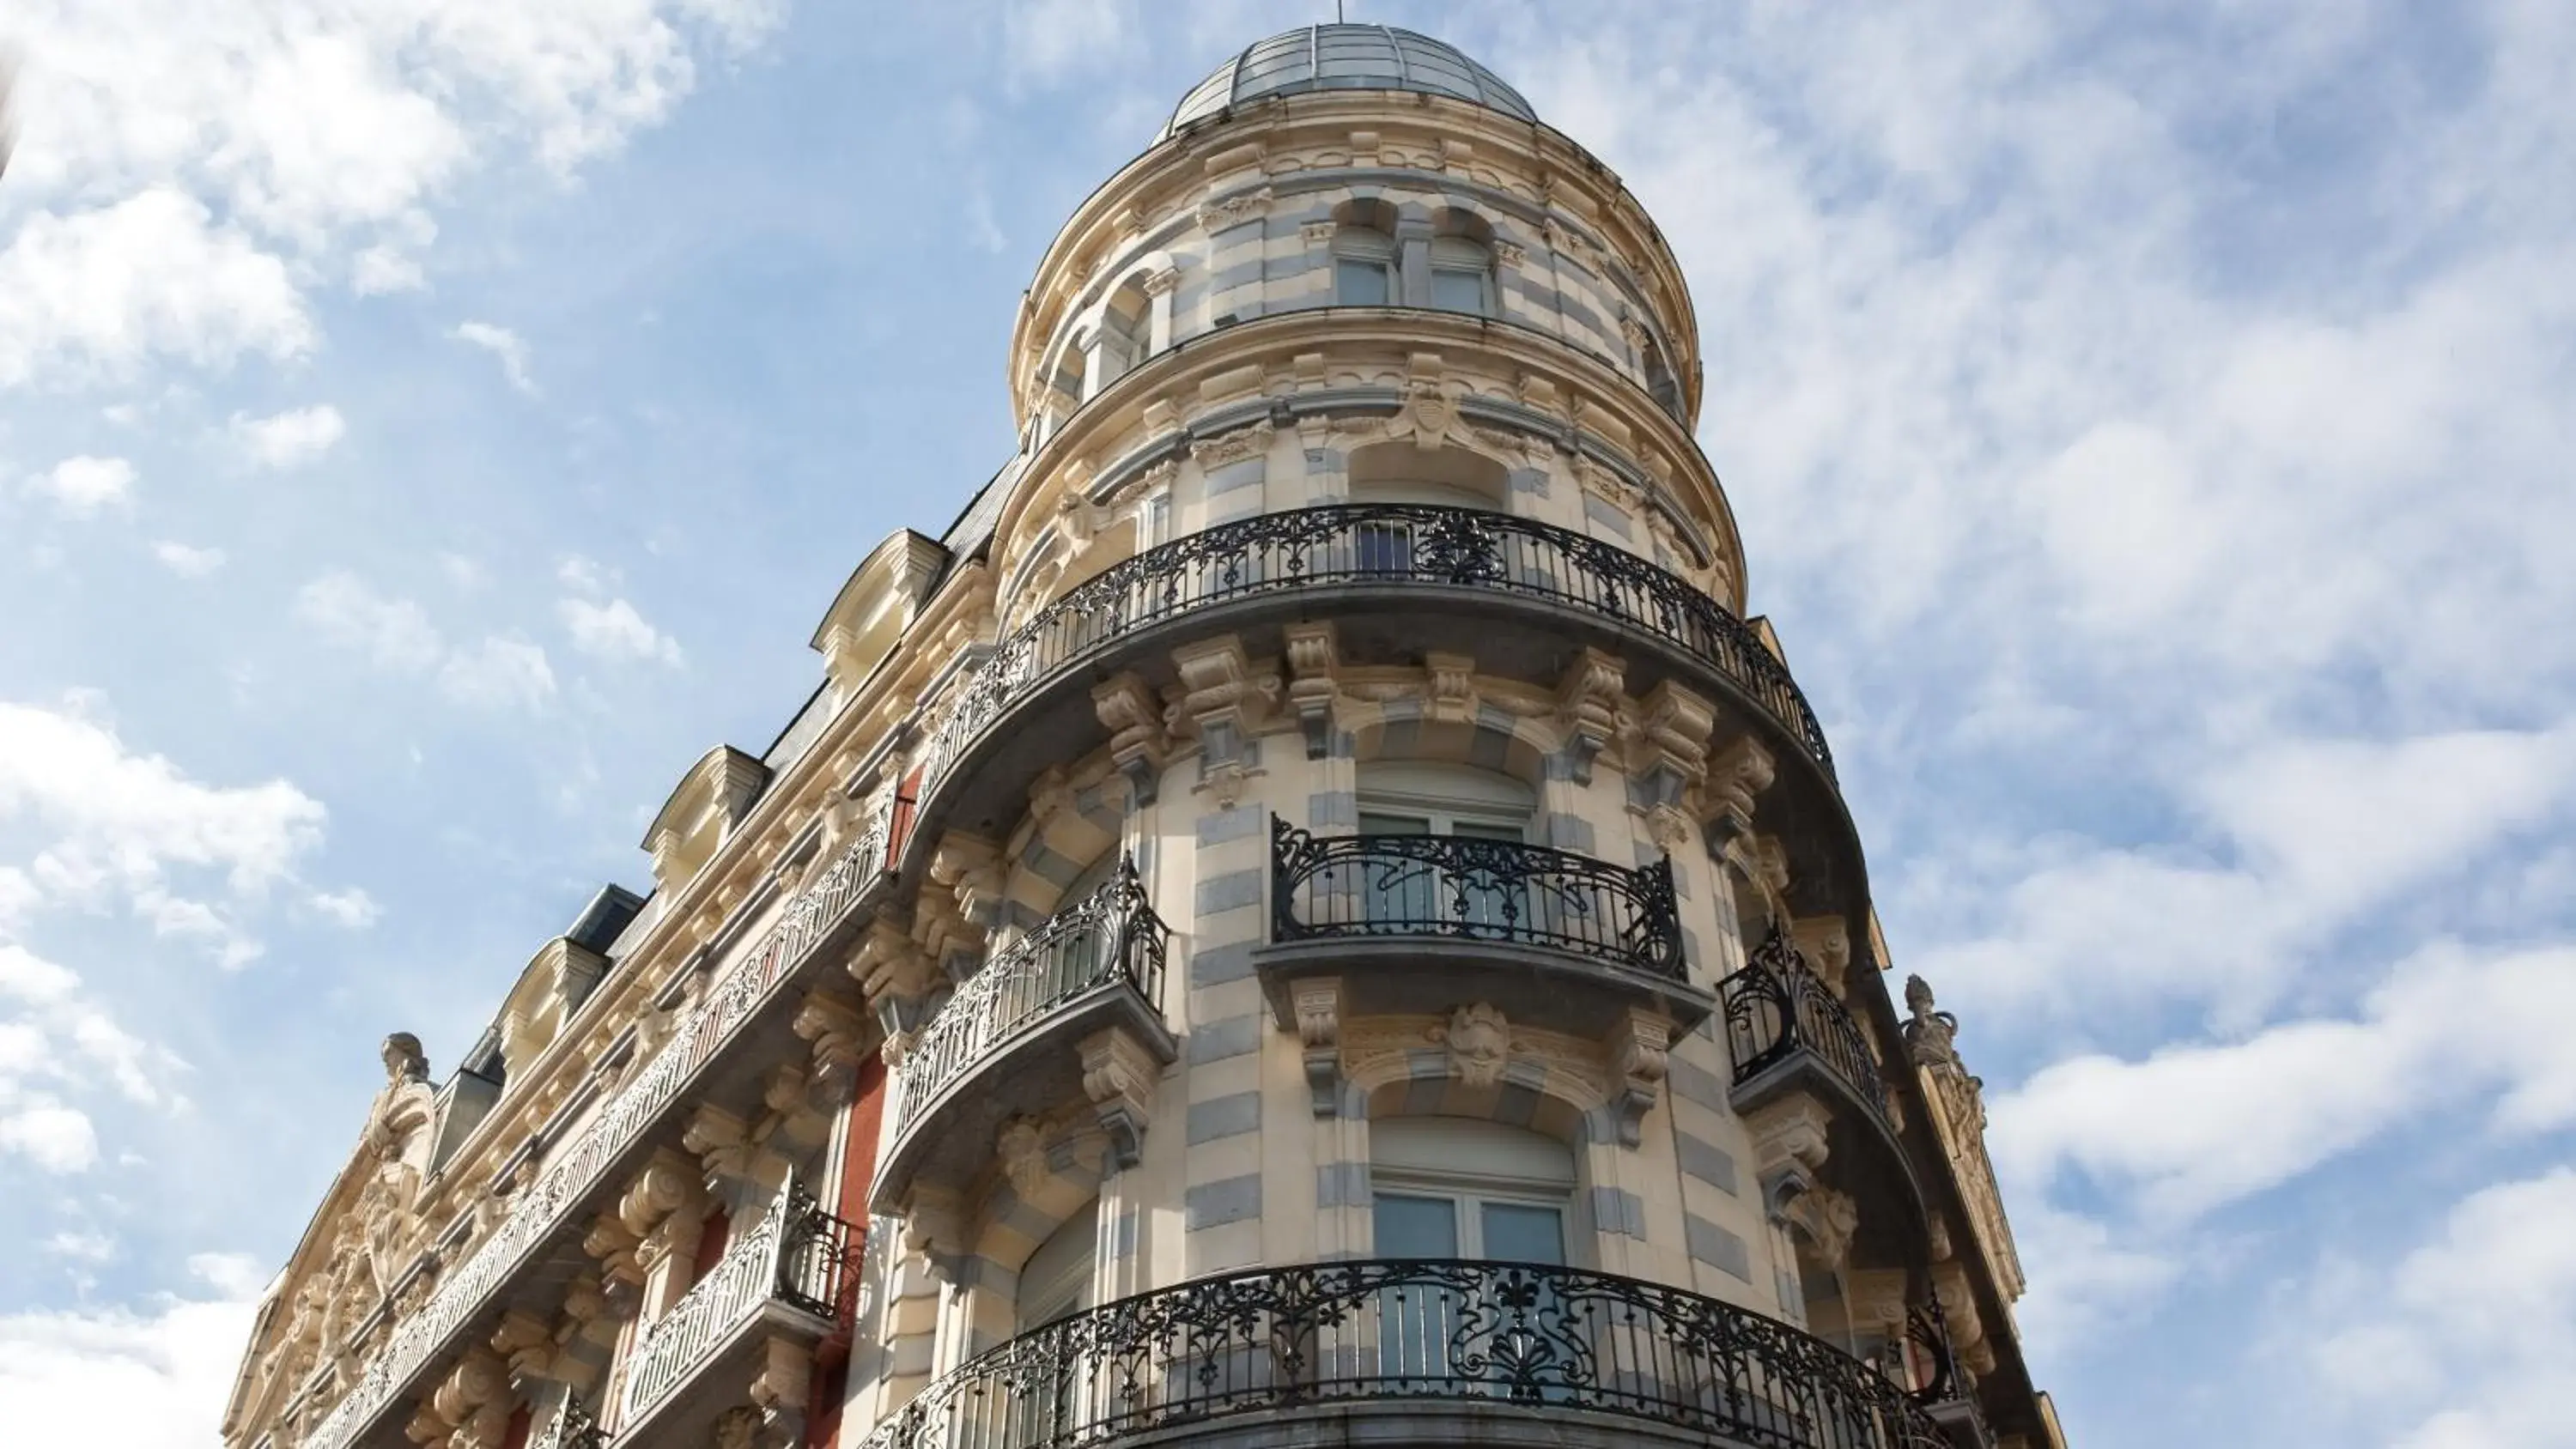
(543, 1217)
(1094, 967)
(1401, 1352)
(1401, 578)
(795, 1276)
(1543, 934)
(1789, 1035)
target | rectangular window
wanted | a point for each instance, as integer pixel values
(1457, 291)
(1362, 283)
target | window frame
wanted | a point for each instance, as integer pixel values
(1366, 247)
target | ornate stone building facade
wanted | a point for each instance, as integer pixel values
(1311, 912)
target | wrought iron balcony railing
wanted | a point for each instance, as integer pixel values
(1776, 1008)
(575, 1169)
(797, 1254)
(1463, 888)
(1303, 1338)
(572, 1427)
(1110, 939)
(1368, 545)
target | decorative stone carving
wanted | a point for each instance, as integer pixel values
(1958, 1111)
(471, 1405)
(1313, 659)
(1315, 233)
(1587, 708)
(1638, 1048)
(1828, 1219)
(1138, 744)
(1226, 698)
(1318, 1004)
(934, 1224)
(721, 1141)
(1234, 210)
(1480, 1044)
(1020, 1147)
(1242, 443)
(1789, 1146)
(1449, 688)
(1429, 410)
(971, 868)
(894, 974)
(735, 1428)
(1673, 731)
(1736, 774)
(1824, 943)
(1119, 1076)
(838, 1034)
(1510, 254)
(780, 1390)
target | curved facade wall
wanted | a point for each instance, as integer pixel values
(1315, 898)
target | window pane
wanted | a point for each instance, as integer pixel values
(1373, 823)
(1457, 291)
(1519, 1233)
(1360, 284)
(1416, 1227)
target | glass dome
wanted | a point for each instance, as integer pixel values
(1345, 57)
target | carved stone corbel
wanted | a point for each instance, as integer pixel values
(1449, 688)
(1587, 709)
(1138, 744)
(1317, 1001)
(838, 1034)
(1119, 1076)
(1672, 735)
(1225, 701)
(781, 1388)
(721, 1142)
(971, 868)
(894, 975)
(526, 1344)
(1737, 774)
(934, 1225)
(1020, 1148)
(1824, 942)
(471, 1405)
(1789, 1146)
(1638, 1045)
(1314, 658)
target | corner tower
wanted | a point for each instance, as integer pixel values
(1311, 905)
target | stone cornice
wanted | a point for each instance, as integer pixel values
(1135, 210)
(1590, 396)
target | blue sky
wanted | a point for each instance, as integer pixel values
(428, 425)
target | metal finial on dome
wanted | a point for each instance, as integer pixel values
(1345, 56)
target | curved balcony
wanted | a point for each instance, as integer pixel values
(796, 1273)
(1439, 1351)
(579, 1173)
(1402, 578)
(1544, 934)
(1789, 1034)
(1095, 966)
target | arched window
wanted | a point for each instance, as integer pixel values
(1056, 1280)
(1403, 473)
(1462, 1187)
(1660, 382)
(1126, 333)
(1462, 275)
(1364, 269)
(1454, 888)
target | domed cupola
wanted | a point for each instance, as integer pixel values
(1344, 57)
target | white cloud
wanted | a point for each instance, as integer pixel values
(351, 908)
(616, 631)
(166, 1370)
(324, 145)
(2471, 1340)
(395, 633)
(52, 1137)
(2191, 1127)
(85, 1246)
(503, 344)
(85, 487)
(186, 560)
(94, 295)
(585, 574)
(499, 673)
(289, 439)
